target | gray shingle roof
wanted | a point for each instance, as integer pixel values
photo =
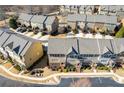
(3, 38)
(50, 20)
(17, 42)
(67, 6)
(1, 32)
(1, 16)
(25, 17)
(105, 44)
(119, 42)
(86, 46)
(38, 19)
(76, 17)
(61, 46)
(102, 19)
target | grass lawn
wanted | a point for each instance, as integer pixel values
(102, 71)
(87, 71)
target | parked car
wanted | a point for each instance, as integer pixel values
(37, 73)
(18, 29)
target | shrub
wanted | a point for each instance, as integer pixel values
(1, 56)
(88, 68)
(120, 33)
(71, 68)
(10, 60)
(13, 23)
(103, 68)
(44, 33)
(82, 69)
(65, 70)
(18, 67)
(122, 68)
(59, 70)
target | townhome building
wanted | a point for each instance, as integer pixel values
(76, 20)
(101, 22)
(25, 19)
(111, 10)
(51, 23)
(3, 37)
(38, 21)
(79, 51)
(93, 22)
(77, 9)
(23, 50)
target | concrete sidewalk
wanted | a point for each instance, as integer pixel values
(39, 80)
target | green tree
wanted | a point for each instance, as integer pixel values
(13, 23)
(120, 33)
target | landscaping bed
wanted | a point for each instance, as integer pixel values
(7, 65)
(87, 71)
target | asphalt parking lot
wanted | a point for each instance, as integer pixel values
(65, 82)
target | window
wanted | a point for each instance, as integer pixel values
(57, 55)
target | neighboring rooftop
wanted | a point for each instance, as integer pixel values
(25, 17)
(50, 20)
(38, 19)
(76, 17)
(102, 19)
(92, 18)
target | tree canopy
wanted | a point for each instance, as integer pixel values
(120, 33)
(13, 23)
